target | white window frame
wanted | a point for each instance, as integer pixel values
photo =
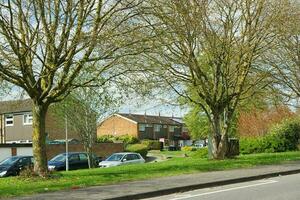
(172, 128)
(157, 127)
(29, 116)
(9, 118)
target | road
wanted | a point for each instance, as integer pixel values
(279, 188)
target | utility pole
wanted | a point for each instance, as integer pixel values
(67, 144)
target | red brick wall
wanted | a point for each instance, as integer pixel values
(100, 149)
(116, 125)
(55, 127)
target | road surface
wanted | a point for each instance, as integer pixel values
(279, 188)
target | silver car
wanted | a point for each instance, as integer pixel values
(124, 158)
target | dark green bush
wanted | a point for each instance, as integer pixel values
(138, 148)
(152, 144)
(282, 137)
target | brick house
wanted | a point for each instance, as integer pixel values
(171, 129)
(16, 123)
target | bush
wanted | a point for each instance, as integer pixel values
(282, 137)
(188, 148)
(105, 139)
(152, 144)
(201, 153)
(127, 139)
(251, 145)
(138, 148)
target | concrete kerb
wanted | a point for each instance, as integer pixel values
(203, 185)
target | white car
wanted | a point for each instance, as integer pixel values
(124, 158)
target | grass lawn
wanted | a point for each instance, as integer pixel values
(16, 186)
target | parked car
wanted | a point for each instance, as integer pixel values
(12, 166)
(124, 158)
(77, 160)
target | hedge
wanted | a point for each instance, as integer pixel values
(126, 139)
(138, 148)
(151, 144)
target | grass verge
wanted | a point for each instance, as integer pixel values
(15, 186)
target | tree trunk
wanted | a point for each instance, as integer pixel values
(39, 139)
(219, 138)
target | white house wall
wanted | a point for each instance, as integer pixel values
(4, 153)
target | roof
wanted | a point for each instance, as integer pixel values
(151, 119)
(15, 106)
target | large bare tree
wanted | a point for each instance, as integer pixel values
(50, 47)
(207, 50)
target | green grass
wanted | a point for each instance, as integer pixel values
(16, 186)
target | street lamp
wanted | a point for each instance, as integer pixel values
(67, 143)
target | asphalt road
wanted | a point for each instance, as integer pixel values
(279, 188)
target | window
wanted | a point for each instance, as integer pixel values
(27, 119)
(142, 127)
(83, 157)
(157, 127)
(135, 157)
(9, 120)
(171, 128)
(73, 158)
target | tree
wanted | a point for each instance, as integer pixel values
(83, 109)
(49, 48)
(257, 123)
(284, 58)
(197, 123)
(207, 52)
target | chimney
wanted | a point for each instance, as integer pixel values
(145, 115)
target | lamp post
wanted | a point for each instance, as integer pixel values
(67, 147)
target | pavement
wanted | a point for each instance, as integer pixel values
(168, 185)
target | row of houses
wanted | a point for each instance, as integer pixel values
(16, 125)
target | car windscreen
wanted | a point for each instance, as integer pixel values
(115, 157)
(9, 161)
(59, 158)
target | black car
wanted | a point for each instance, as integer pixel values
(77, 160)
(12, 166)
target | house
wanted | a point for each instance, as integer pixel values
(16, 123)
(168, 129)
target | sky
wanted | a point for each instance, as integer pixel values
(165, 105)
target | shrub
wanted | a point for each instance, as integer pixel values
(105, 139)
(152, 144)
(127, 139)
(251, 145)
(200, 153)
(138, 148)
(188, 148)
(282, 137)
